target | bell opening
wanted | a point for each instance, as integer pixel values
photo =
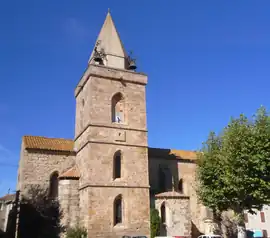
(98, 54)
(131, 62)
(132, 65)
(98, 59)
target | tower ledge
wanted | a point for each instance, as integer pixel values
(112, 74)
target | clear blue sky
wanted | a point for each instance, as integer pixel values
(206, 61)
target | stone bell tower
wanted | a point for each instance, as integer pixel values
(111, 141)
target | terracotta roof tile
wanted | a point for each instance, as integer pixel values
(170, 153)
(71, 173)
(8, 197)
(44, 143)
(59, 144)
(171, 194)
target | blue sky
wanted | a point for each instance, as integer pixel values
(206, 61)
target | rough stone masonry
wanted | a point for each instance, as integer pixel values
(107, 178)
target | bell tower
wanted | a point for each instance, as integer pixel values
(111, 141)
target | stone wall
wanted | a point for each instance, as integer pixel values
(95, 162)
(135, 220)
(185, 170)
(84, 207)
(69, 201)
(98, 138)
(188, 171)
(36, 166)
(97, 169)
(94, 98)
(178, 218)
(22, 164)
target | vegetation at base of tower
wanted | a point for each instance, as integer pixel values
(233, 171)
(39, 216)
(76, 232)
(155, 222)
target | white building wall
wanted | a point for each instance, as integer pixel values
(254, 221)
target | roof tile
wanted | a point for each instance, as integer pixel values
(67, 145)
(8, 197)
(44, 143)
(179, 154)
(71, 173)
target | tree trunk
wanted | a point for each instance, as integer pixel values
(241, 229)
(218, 219)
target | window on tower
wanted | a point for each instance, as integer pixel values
(117, 165)
(118, 108)
(118, 210)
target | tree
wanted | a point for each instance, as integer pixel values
(155, 222)
(39, 216)
(233, 171)
(76, 232)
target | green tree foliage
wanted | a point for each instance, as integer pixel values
(76, 232)
(155, 222)
(234, 167)
(39, 216)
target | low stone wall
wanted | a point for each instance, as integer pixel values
(178, 217)
(69, 201)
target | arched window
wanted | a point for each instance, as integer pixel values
(163, 213)
(117, 165)
(118, 210)
(53, 190)
(180, 186)
(118, 108)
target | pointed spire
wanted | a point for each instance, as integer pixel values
(109, 49)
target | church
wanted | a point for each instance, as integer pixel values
(107, 178)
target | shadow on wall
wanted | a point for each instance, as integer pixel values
(195, 231)
(164, 176)
(11, 223)
(39, 216)
(164, 167)
(163, 230)
(2, 234)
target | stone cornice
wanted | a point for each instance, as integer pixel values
(171, 195)
(112, 126)
(108, 143)
(123, 76)
(50, 152)
(86, 185)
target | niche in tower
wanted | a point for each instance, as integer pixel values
(118, 112)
